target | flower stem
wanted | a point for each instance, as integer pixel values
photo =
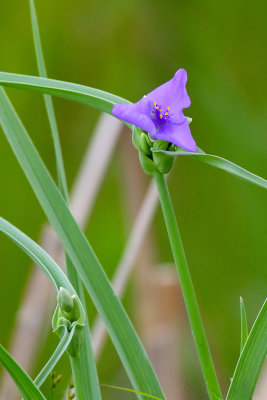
(190, 300)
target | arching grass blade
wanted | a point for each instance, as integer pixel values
(244, 324)
(26, 387)
(223, 164)
(251, 360)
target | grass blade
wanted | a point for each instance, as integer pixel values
(99, 99)
(244, 324)
(223, 164)
(130, 390)
(109, 307)
(25, 385)
(251, 360)
(38, 255)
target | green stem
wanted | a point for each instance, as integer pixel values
(190, 300)
(83, 366)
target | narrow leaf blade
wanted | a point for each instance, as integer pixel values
(25, 385)
(223, 164)
(244, 324)
(251, 360)
(38, 255)
(99, 99)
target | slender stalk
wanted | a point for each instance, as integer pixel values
(84, 364)
(190, 300)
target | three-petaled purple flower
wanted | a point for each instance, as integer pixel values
(160, 113)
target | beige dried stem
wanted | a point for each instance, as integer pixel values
(33, 319)
(128, 259)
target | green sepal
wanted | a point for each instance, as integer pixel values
(75, 313)
(136, 138)
(145, 144)
(147, 164)
(163, 161)
(63, 322)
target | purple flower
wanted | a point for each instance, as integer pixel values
(160, 113)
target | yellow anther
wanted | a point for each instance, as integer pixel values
(168, 108)
(161, 116)
(155, 103)
(156, 108)
(166, 113)
(160, 110)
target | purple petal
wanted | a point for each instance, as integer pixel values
(178, 134)
(173, 94)
(138, 114)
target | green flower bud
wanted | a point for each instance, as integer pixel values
(172, 147)
(145, 144)
(69, 305)
(153, 161)
(162, 161)
(147, 164)
(136, 138)
(75, 313)
(62, 321)
(64, 300)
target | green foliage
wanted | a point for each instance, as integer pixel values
(99, 99)
(220, 163)
(251, 360)
(243, 324)
(118, 325)
(25, 385)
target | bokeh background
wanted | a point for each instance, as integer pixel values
(129, 48)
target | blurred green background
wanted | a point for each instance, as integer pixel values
(129, 48)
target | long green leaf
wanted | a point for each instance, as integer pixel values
(99, 99)
(25, 385)
(223, 164)
(251, 360)
(109, 307)
(38, 255)
(243, 325)
(84, 368)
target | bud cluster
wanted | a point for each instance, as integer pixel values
(69, 305)
(69, 315)
(151, 159)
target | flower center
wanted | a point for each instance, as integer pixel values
(160, 114)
